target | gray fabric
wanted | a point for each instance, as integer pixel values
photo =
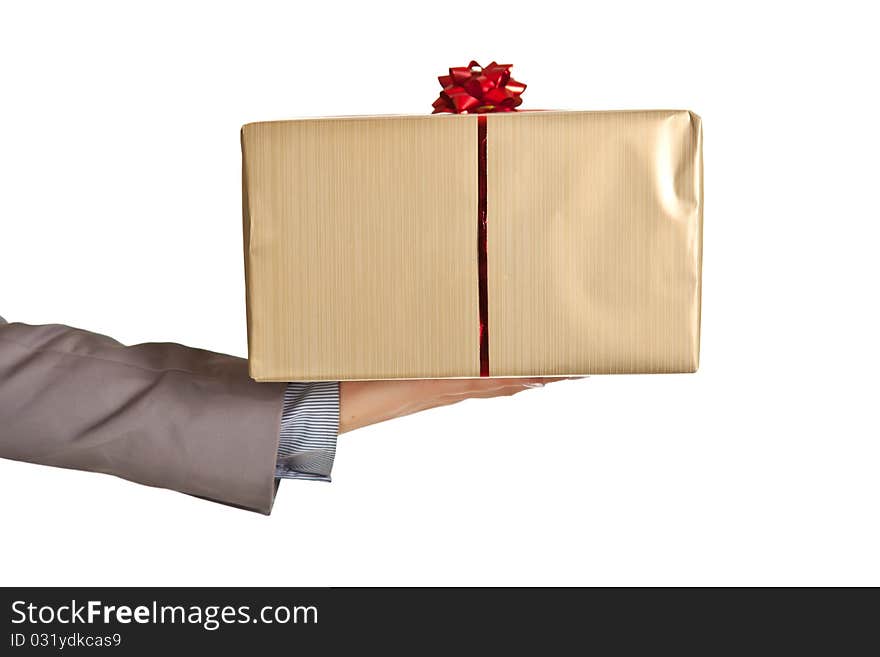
(158, 414)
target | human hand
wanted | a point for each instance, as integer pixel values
(362, 403)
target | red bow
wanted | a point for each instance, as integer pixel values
(473, 89)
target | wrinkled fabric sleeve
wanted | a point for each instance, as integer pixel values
(158, 414)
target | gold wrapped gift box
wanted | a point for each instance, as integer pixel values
(361, 245)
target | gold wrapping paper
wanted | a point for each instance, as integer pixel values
(361, 245)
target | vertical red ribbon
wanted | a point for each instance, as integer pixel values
(473, 89)
(482, 253)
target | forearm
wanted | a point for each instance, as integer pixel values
(188, 419)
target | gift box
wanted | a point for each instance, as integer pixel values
(535, 243)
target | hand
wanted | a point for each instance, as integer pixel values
(367, 402)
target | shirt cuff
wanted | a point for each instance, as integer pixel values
(309, 427)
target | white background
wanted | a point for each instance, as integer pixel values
(120, 212)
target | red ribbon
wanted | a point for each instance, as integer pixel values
(473, 89)
(482, 245)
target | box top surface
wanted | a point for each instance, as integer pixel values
(447, 116)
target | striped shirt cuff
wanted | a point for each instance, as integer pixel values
(309, 426)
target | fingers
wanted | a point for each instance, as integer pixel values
(510, 386)
(441, 392)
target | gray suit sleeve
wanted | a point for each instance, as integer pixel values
(158, 414)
